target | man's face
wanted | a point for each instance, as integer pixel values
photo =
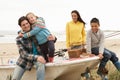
(25, 26)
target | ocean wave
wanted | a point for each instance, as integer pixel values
(1, 35)
(60, 37)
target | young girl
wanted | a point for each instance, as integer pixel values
(95, 45)
(75, 32)
(43, 36)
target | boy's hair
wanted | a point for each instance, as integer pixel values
(95, 20)
(21, 19)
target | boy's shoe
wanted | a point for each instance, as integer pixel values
(86, 74)
(103, 73)
(103, 77)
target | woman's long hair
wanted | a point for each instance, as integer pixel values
(79, 17)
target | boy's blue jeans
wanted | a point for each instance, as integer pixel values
(18, 72)
(107, 55)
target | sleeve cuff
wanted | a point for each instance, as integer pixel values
(35, 58)
(25, 35)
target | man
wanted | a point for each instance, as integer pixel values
(29, 53)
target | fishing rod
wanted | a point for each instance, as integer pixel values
(113, 34)
(60, 52)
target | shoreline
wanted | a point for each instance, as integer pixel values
(11, 48)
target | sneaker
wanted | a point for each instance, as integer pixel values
(86, 76)
(103, 76)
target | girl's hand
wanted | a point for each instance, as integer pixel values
(51, 37)
(20, 34)
(100, 55)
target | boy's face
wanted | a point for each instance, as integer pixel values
(32, 19)
(94, 27)
(25, 26)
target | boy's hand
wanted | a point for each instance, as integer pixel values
(100, 55)
(41, 59)
(20, 34)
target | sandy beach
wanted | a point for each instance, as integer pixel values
(10, 49)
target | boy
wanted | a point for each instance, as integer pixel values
(95, 46)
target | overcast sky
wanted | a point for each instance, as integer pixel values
(57, 12)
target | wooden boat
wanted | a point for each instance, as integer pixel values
(70, 69)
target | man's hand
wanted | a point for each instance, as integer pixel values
(20, 34)
(41, 59)
(100, 55)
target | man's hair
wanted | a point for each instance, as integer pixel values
(21, 19)
(95, 20)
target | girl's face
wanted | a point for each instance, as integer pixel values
(94, 27)
(74, 17)
(32, 19)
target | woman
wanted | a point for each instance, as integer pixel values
(75, 32)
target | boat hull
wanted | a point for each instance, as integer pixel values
(65, 70)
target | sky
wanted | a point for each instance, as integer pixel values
(58, 12)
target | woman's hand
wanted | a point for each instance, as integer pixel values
(20, 34)
(83, 46)
(51, 37)
(41, 59)
(69, 48)
(100, 55)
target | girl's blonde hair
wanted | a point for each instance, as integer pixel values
(31, 14)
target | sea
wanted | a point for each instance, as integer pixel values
(10, 36)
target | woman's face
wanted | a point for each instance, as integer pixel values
(74, 17)
(25, 25)
(94, 27)
(32, 19)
